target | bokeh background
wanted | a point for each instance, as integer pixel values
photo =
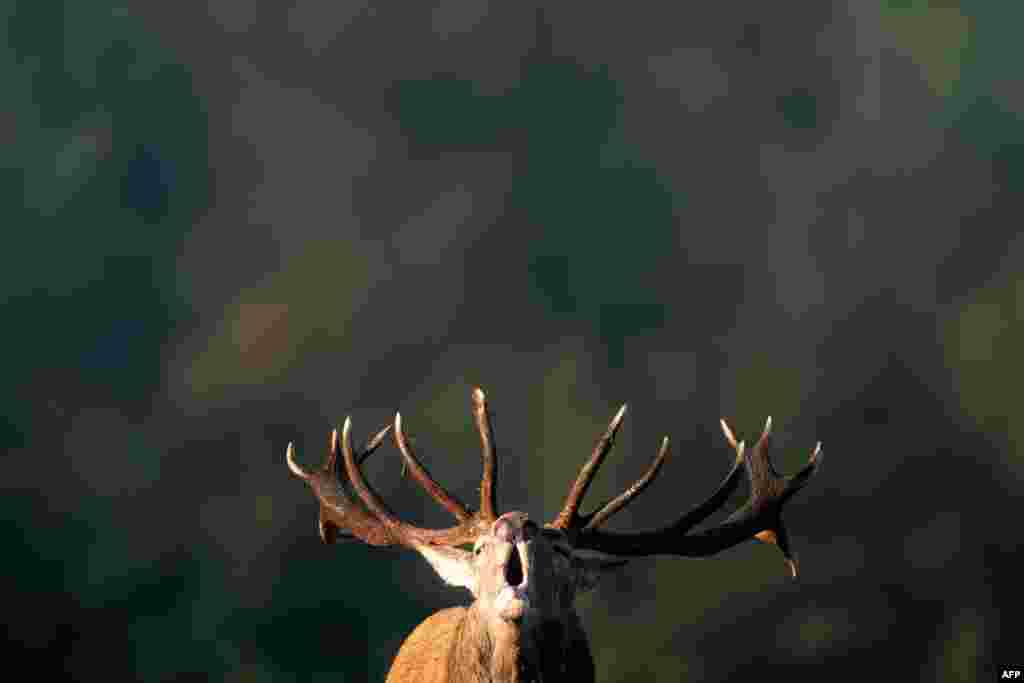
(228, 225)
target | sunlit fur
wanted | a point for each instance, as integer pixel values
(538, 640)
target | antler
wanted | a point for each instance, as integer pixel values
(568, 518)
(369, 519)
(760, 517)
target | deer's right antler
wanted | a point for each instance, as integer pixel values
(369, 519)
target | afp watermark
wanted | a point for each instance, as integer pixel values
(1010, 673)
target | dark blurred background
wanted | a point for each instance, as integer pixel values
(228, 225)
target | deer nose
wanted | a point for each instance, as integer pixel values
(505, 531)
(513, 527)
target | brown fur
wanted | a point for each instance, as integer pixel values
(455, 646)
(423, 656)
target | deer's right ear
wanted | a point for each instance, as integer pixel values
(453, 565)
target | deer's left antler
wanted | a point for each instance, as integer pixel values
(760, 517)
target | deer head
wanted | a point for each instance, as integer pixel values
(524, 577)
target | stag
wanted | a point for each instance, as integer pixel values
(522, 626)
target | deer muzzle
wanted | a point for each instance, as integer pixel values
(514, 597)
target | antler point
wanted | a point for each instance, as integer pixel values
(793, 567)
(292, 465)
(729, 436)
(346, 432)
(619, 415)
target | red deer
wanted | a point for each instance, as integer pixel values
(522, 625)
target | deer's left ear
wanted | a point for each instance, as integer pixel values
(454, 566)
(589, 571)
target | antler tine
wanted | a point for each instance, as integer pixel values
(372, 445)
(332, 453)
(623, 499)
(340, 515)
(569, 518)
(420, 474)
(377, 507)
(355, 475)
(801, 478)
(767, 471)
(489, 479)
(296, 469)
(329, 462)
(329, 532)
(760, 517)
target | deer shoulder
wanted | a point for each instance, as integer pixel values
(521, 626)
(425, 654)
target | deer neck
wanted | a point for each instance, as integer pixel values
(524, 652)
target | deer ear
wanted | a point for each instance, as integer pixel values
(454, 566)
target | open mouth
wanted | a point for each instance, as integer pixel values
(514, 569)
(513, 600)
